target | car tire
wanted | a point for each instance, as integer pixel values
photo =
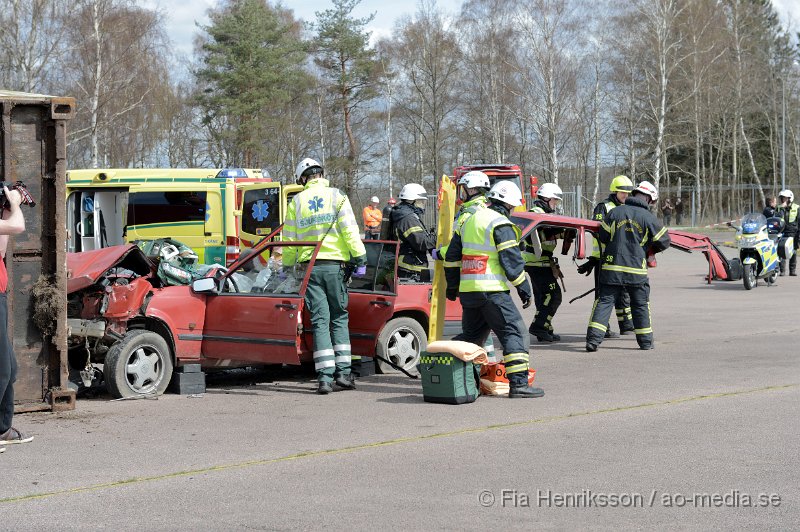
(401, 341)
(139, 364)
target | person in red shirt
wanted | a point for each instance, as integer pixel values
(372, 220)
(12, 223)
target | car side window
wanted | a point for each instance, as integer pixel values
(265, 274)
(380, 269)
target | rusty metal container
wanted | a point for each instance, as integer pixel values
(33, 149)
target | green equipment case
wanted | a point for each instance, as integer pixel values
(448, 379)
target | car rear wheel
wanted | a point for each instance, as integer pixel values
(139, 364)
(401, 341)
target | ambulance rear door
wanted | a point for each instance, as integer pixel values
(260, 213)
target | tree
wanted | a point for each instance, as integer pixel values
(249, 76)
(429, 57)
(31, 46)
(351, 69)
(118, 65)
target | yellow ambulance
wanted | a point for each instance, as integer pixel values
(216, 212)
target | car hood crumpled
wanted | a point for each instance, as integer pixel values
(87, 267)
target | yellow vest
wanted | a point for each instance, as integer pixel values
(480, 262)
(321, 213)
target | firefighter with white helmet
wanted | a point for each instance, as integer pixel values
(372, 219)
(629, 234)
(471, 189)
(543, 270)
(788, 211)
(408, 227)
(323, 214)
(482, 258)
(621, 187)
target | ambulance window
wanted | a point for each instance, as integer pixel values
(166, 207)
(260, 210)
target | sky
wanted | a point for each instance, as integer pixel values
(182, 15)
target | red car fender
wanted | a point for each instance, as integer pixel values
(183, 312)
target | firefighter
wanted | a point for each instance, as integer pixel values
(416, 242)
(621, 187)
(543, 270)
(372, 220)
(321, 213)
(630, 234)
(481, 258)
(472, 189)
(788, 211)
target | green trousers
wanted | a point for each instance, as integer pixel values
(326, 300)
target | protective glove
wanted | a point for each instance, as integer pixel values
(282, 275)
(525, 294)
(360, 271)
(452, 294)
(587, 267)
(436, 255)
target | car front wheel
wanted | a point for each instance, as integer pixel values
(139, 364)
(401, 341)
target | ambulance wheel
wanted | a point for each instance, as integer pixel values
(749, 276)
(139, 364)
(401, 341)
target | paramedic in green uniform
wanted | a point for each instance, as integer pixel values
(323, 214)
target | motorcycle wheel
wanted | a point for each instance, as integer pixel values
(749, 276)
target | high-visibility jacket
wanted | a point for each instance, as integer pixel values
(628, 234)
(481, 270)
(549, 240)
(789, 215)
(372, 217)
(322, 214)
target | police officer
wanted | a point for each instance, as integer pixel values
(321, 213)
(788, 211)
(621, 187)
(416, 242)
(630, 233)
(482, 257)
(541, 269)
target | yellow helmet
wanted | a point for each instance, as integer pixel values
(621, 183)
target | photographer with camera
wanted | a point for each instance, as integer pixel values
(11, 223)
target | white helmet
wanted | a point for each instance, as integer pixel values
(413, 192)
(507, 192)
(646, 187)
(549, 191)
(304, 165)
(374, 199)
(786, 193)
(474, 179)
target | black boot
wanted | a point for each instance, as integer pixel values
(525, 391)
(611, 334)
(345, 381)
(543, 335)
(324, 388)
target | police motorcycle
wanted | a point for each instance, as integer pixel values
(761, 247)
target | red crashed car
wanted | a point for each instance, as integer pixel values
(120, 315)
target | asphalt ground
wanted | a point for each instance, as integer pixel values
(687, 436)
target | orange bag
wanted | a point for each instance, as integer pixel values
(495, 382)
